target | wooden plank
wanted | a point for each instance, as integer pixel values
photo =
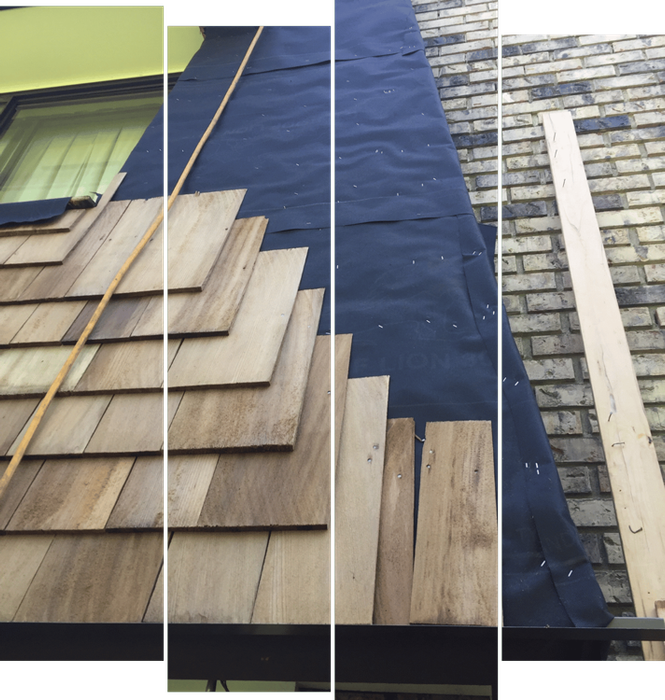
(54, 283)
(132, 424)
(394, 566)
(14, 282)
(263, 418)
(295, 582)
(214, 576)
(14, 414)
(71, 495)
(342, 361)
(58, 224)
(358, 482)
(12, 319)
(249, 354)
(9, 245)
(198, 226)
(213, 310)
(129, 366)
(17, 487)
(155, 611)
(455, 567)
(85, 577)
(48, 323)
(109, 258)
(145, 504)
(53, 248)
(117, 321)
(20, 557)
(31, 371)
(632, 463)
(66, 427)
(280, 489)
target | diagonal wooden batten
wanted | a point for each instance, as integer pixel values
(635, 475)
(455, 566)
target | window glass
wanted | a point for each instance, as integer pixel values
(72, 148)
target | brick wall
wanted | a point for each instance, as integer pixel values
(615, 89)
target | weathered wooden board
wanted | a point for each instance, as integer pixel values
(66, 426)
(71, 495)
(17, 487)
(106, 577)
(14, 282)
(342, 360)
(214, 309)
(198, 226)
(20, 557)
(12, 319)
(9, 245)
(127, 366)
(358, 483)
(48, 323)
(295, 582)
(213, 577)
(31, 371)
(54, 282)
(280, 489)
(117, 321)
(254, 419)
(632, 463)
(155, 611)
(455, 568)
(132, 424)
(53, 248)
(58, 224)
(14, 414)
(394, 566)
(147, 503)
(249, 354)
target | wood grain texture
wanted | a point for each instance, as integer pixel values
(455, 567)
(213, 577)
(342, 360)
(636, 479)
(17, 487)
(142, 503)
(394, 566)
(358, 483)
(127, 366)
(14, 282)
(155, 610)
(20, 557)
(48, 323)
(249, 354)
(58, 224)
(198, 226)
(295, 582)
(9, 245)
(196, 314)
(117, 321)
(53, 248)
(14, 414)
(84, 577)
(251, 419)
(12, 318)
(132, 424)
(71, 495)
(66, 427)
(280, 489)
(54, 283)
(31, 371)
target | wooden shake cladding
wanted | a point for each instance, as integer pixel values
(249, 438)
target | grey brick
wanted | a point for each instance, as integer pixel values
(447, 39)
(485, 138)
(549, 45)
(583, 126)
(557, 345)
(581, 52)
(592, 546)
(613, 548)
(634, 296)
(481, 55)
(559, 90)
(615, 586)
(607, 202)
(511, 51)
(592, 512)
(578, 450)
(452, 81)
(553, 396)
(641, 66)
(523, 211)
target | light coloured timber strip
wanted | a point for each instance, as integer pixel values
(248, 419)
(213, 577)
(198, 226)
(155, 610)
(342, 361)
(12, 319)
(9, 245)
(635, 475)
(49, 322)
(59, 224)
(117, 322)
(358, 483)
(140, 505)
(14, 414)
(21, 482)
(247, 355)
(189, 481)
(455, 568)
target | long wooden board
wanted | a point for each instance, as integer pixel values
(14, 414)
(254, 419)
(635, 475)
(213, 577)
(279, 489)
(140, 505)
(48, 323)
(248, 355)
(189, 481)
(12, 319)
(358, 483)
(155, 610)
(455, 568)
(295, 582)
(394, 566)
(9, 245)
(17, 487)
(58, 224)
(84, 577)
(14, 282)
(342, 361)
